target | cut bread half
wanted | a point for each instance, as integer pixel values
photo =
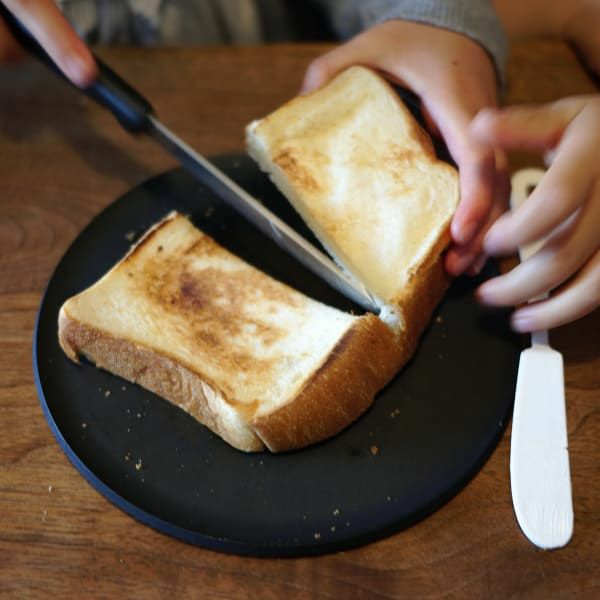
(364, 176)
(257, 362)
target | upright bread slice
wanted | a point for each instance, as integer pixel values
(257, 362)
(364, 176)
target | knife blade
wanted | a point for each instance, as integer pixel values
(136, 115)
(255, 212)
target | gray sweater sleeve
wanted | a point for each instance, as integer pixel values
(475, 19)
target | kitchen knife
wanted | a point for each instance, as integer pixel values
(539, 457)
(136, 115)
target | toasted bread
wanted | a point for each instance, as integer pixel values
(364, 176)
(257, 362)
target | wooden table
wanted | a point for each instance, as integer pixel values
(62, 160)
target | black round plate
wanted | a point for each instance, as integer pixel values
(427, 434)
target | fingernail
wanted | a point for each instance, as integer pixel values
(492, 241)
(485, 293)
(521, 323)
(464, 233)
(77, 69)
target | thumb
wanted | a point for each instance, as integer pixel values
(325, 67)
(53, 32)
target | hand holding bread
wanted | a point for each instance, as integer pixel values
(454, 78)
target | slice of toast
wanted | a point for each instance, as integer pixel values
(364, 176)
(257, 362)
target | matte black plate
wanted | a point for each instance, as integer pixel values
(427, 434)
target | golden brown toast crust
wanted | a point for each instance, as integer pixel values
(157, 373)
(363, 362)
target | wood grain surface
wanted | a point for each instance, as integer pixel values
(62, 160)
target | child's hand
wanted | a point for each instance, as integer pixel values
(47, 24)
(454, 77)
(565, 206)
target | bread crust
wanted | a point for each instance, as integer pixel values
(155, 372)
(362, 363)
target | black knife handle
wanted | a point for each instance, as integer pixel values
(128, 106)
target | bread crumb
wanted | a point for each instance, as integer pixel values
(439, 319)
(127, 456)
(374, 450)
(49, 489)
(123, 388)
(336, 512)
(139, 415)
(395, 413)
(83, 425)
(389, 499)
(130, 236)
(138, 465)
(332, 528)
(107, 393)
(209, 211)
(317, 535)
(45, 514)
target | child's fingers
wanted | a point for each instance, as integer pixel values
(452, 115)
(525, 127)
(476, 173)
(325, 67)
(47, 24)
(562, 190)
(579, 297)
(469, 257)
(319, 72)
(565, 252)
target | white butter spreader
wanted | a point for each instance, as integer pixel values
(539, 457)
